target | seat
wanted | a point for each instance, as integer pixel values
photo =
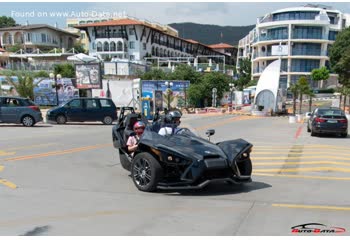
(129, 122)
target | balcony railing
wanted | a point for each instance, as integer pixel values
(309, 36)
(111, 35)
(309, 53)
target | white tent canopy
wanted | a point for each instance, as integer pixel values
(81, 57)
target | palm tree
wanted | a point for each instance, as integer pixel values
(304, 88)
(294, 89)
(25, 84)
(310, 94)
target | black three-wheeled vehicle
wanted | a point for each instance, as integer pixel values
(179, 161)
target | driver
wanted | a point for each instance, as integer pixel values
(132, 143)
(172, 122)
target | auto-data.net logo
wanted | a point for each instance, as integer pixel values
(316, 228)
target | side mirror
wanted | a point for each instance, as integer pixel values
(308, 114)
(210, 132)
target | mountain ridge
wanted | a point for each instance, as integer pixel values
(211, 33)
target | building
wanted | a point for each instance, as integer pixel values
(306, 33)
(36, 46)
(134, 39)
(227, 49)
(36, 36)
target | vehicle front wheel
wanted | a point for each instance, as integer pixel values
(61, 119)
(108, 120)
(146, 172)
(245, 167)
(28, 121)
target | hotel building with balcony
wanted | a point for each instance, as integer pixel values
(308, 32)
(134, 39)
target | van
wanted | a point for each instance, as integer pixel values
(84, 109)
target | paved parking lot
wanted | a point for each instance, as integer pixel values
(67, 180)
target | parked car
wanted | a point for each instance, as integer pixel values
(328, 120)
(19, 110)
(84, 109)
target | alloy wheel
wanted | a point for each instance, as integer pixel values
(142, 172)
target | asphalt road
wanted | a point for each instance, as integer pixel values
(67, 180)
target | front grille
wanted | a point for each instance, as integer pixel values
(215, 163)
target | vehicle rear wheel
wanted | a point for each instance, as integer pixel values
(313, 134)
(124, 161)
(28, 121)
(108, 120)
(344, 135)
(146, 172)
(245, 167)
(61, 119)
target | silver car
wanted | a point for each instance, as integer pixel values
(19, 110)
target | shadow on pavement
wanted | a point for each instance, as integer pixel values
(21, 126)
(219, 188)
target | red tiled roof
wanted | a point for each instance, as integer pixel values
(117, 22)
(191, 41)
(220, 45)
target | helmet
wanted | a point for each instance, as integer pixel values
(139, 127)
(173, 117)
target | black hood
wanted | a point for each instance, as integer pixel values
(186, 144)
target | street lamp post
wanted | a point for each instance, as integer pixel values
(55, 77)
(168, 85)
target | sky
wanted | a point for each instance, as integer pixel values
(218, 13)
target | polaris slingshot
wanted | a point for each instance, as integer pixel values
(179, 161)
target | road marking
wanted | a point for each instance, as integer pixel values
(270, 147)
(314, 169)
(302, 176)
(61, 152)
(299, 157)
(32, 146)
(297, 163)
(311, 207)
(298, 132)
(8, 183)
(3, 153)
(299, 153)
(239, 118)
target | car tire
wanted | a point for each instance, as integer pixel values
(107, 120)
(124, 161)
(61, 119)
(146, 172)
(28, 121)
(344, 135)
(313, 134)
(245, 167)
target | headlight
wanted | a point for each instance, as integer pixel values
(245, 154)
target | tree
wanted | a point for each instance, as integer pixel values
(320, 75)
(304, 88)
(65, 69)
(41, 74)
(294, 89)
(154, 74)
(185, 72)
(25, 84)
(310, 94)
(79, 48)
(195, 94)
(244, 74)
(7, 22)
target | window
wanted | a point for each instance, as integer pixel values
(119, 46)
(144, 46)
(112, 47)
(307, 49)
(304, 65)
(105, 103)
(277, 33)
(29, 37)
(131, 31)
(12, 102)
(303, 32)
(332, 35)
(82, 35)
(75, 104)
(94, 46)
(132, 45)
(132, 57)
(106, 47)
(91, 103)
(43, 38)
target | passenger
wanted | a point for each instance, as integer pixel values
(133, 141)
(172, 122)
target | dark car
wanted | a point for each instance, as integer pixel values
(84, 109)
(328, 120)
(19, 110)
(180, 161)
